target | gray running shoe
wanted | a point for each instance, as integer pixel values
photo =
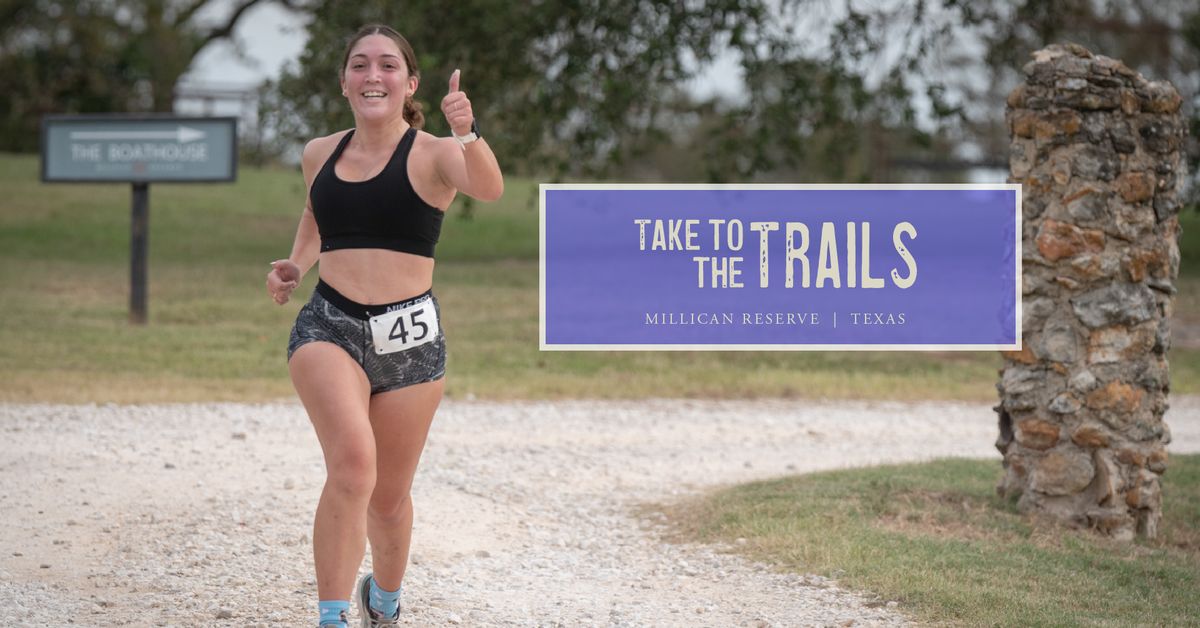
(371, 618)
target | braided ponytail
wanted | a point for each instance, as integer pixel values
(412, 113)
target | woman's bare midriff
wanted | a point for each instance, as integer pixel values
(371, 276)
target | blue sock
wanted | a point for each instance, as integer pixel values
(386, 602)
(334, 612)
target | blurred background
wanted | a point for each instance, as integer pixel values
(739, 91)
(727, 90)
(622, 90)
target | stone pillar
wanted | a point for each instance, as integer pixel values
(1098, 151)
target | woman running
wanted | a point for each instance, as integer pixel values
(367, 355)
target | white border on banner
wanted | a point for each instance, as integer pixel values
(544, 346)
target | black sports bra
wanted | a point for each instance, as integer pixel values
(383, 212)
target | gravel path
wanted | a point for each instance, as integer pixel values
(200, 514)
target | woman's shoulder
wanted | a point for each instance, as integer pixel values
(318, 149)
(428, 140)
(325, 143)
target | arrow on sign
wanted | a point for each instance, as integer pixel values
(182, 135)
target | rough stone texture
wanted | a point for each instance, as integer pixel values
(1059, 240)
(1062, 472)
(1097, 149)
(1037, 434)
(1117, 303)
(1091, 436)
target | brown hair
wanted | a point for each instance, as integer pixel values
(412, 109)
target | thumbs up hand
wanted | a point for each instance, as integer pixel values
(457, 108)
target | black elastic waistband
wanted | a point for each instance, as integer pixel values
(360, 310)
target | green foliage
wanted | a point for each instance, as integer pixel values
(590, 89)
(1159, 39)
(558, 87)
(599, 89)
(96, 56)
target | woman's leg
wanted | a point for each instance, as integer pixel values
(335, 392)
(400, 420)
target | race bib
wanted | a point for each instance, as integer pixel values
(405, 328)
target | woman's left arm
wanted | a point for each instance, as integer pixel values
(470, 168)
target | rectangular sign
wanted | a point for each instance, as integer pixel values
(123, 148)
(780, 267)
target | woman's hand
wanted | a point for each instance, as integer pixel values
(469, 168)
(283, 278)
(457, 108)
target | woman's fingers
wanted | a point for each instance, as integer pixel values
(457, 107)
(287, 269)
(278, 287)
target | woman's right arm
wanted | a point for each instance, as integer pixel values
(285, 274)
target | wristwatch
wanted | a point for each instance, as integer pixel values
(471, 135)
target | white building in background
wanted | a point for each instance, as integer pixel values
(224, 78)
(218, 99)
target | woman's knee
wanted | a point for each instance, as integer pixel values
(390, 510)
(351, 471)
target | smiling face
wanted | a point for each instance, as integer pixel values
(376, 79)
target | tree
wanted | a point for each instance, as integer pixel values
(592, 89)
(1160, 39)
(553, 83)
(94, 56)
(844, 92)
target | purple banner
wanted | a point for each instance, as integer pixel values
(906, 267)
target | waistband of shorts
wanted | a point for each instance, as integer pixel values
(361, 310)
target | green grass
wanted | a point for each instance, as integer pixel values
(214, 335)
(937, 539)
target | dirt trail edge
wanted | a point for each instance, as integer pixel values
(201, 514)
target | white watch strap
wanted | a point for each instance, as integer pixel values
(466, 139)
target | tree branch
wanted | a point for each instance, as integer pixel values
(187, 13)
(223, 32)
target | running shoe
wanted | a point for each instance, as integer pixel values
(372, 618)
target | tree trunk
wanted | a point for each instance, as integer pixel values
(171, 49)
